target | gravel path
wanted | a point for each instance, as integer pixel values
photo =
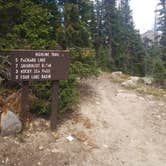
(112, 126)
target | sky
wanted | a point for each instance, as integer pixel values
(143, 14)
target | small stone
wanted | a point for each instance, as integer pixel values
(54, 150)
(105, 146)
(28, 134)
(10, 124)
(151, 139)
(141, 98)
(70, 138)
(98, 103)
(55, 135)
(7, 159)
(161, 104)
(16, 142)
(85, 143)
(41, 147)
(158, 116)
(39, 163)
(47, 124)
(121, 91)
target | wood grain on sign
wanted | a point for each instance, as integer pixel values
(39, 65)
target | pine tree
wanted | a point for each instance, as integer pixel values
(96, 26)
(128, 51)
(126, 13)
(110, 19)
(159, 71)
(74, 31)
(162, 28)
(25, 25)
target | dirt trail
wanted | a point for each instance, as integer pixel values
(112, 127)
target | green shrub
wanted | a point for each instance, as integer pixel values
(159, 72)
(83, 63)
(67, 95)
(103, 61)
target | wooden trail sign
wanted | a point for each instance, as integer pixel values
(39, 65)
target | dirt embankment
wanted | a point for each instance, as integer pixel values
(112, 126)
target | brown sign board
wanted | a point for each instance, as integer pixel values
(36, 65)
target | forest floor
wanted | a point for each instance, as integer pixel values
(111, 126)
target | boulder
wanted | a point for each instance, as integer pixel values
(148, 80)
(132, 82)
(134, 79)
(10, 124)
(129, 84)
(118, 76)
(116, 73)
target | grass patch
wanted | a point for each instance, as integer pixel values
(149, 90)
(119, 78)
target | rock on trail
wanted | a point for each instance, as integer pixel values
(10, 123)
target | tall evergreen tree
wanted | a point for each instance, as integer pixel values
(74, 31)
(162, 28)
(128, 51)
(126, 13)
(97, 27)
(109, 23)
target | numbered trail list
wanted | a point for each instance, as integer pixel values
(39, 65)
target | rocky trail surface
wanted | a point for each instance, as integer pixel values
(111, 126)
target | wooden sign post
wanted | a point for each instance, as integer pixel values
(54, 104)
(39, 65)
(24, 101)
